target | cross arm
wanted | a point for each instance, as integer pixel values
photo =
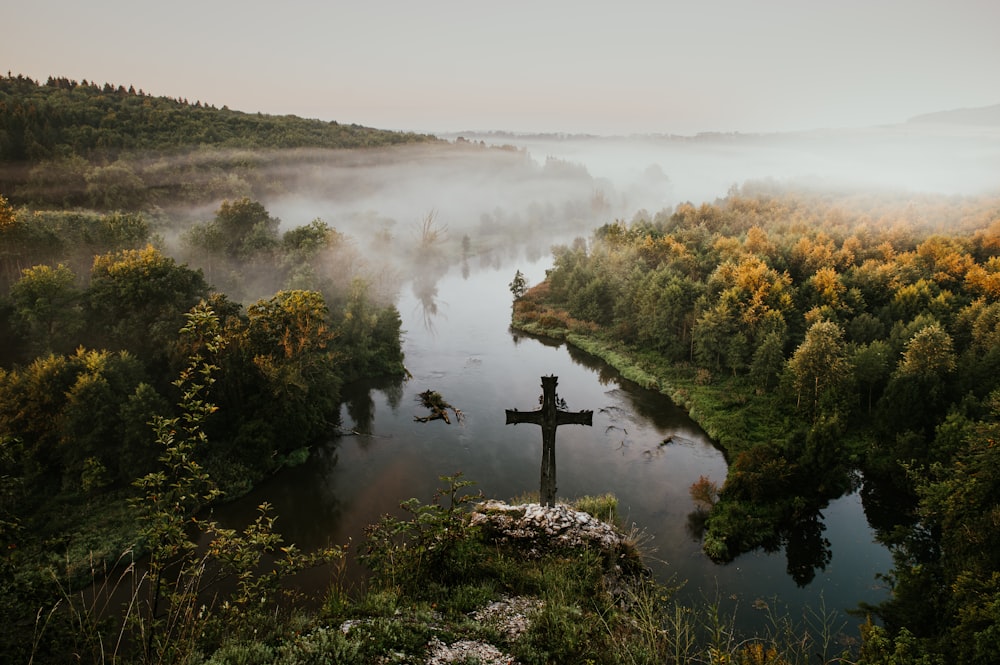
(574, 417)
(514, 416)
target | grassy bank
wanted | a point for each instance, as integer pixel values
(733, 415)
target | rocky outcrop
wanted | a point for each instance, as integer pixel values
(539, 526)
(535, 530)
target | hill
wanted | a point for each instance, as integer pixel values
(981, 116)
(64, 117)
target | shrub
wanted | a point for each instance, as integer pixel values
(435, 544)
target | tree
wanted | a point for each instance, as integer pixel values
(737, 350)
(246, 228)
(368, 336)
(664, 311)
(711, 335)
(137, 300)
(518, 286)
(67, 409)
(819, 365)
(47, 307)
(929, 353)
(946, 584)
(768, 361)
(918, 394)
(115, 187)
(282, 376)
(170, 618)
(871, 366)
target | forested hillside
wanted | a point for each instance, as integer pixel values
(819, 336)
(70, 143)
(63, 116)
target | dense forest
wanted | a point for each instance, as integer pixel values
(64, 117)
(824, 340)
(108, 147)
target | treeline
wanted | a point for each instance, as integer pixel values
(79, 144)
(61, 116)
(820, 335)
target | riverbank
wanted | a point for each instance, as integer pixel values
(728, 409)
(779, 475)
(500, 583)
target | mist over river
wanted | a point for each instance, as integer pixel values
(458, 342)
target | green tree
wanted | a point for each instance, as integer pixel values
(62, 181)
(819, 365)
(664, 311)
(737, 352)
(368, 336)
(246, 228)
(711, 335)
(929, 353)
(871, 364)
(918, 393)
(946, 581)
(768, 361)
(173, 622)
(66, 409)
(137, 300)
(279, 385)
(91, 424)
(518, 286)
(47, 307)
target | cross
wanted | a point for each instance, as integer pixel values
(550, 416)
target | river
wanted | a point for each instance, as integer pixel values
(459, 343)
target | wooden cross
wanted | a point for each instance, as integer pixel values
(550, 416)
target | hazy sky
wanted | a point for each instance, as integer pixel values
(620, 67)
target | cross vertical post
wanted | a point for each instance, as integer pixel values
(549, 417)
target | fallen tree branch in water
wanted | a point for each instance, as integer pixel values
(438, 406)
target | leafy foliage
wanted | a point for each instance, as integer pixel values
(426, 547)
(856, 333)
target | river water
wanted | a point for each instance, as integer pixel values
(458, 342)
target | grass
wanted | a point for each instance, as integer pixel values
(726, 408)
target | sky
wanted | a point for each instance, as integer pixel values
(606, 68)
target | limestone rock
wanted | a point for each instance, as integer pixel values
(558, 525)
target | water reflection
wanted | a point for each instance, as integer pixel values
(425, 290)
(359, 402)
(806, 549)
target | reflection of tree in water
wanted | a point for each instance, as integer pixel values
(361, 409)
(886, 506)
(392, 388)
(360, 405)
(430, 262)
(426, 291)
(806, 549)
(695, 524)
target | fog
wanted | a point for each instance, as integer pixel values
(562, 183)
(910, 157)
(412, 211)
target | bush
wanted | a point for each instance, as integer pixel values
(435, 545)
